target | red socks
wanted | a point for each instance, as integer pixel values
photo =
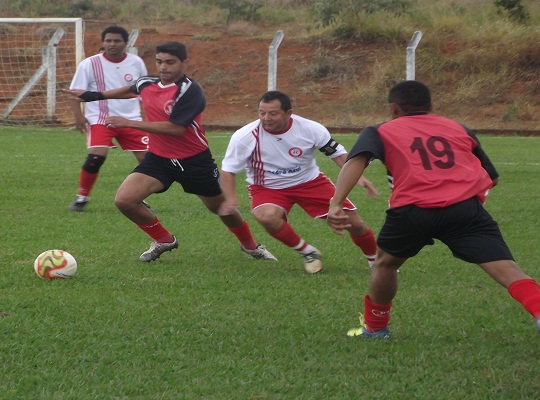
(376, 316)
(86, 182)
(244, 236)
(527, 292)
(367, 244)
(287, 235)
(157, 232)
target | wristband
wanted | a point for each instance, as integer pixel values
(92, 96)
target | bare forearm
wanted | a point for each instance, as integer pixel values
(124, 92)
(348, 177)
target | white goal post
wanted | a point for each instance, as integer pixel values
(38, 57)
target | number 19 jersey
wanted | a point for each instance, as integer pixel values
(432, 161)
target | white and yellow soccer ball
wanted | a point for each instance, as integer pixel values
(55, 264)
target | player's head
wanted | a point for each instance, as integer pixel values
(283, 99)
(409, 97)
(170, 59)
(176, 49)
(116, 30)
(275, 110)
(114, 40)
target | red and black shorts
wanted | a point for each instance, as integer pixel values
(466, 228)
(198, 174)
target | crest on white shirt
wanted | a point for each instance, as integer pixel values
(295, 152)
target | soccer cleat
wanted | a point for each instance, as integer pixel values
(312, 261)
(79, 203)
(259, 253)
(157, 249)
(364, 333)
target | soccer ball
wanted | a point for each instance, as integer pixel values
(55, 264)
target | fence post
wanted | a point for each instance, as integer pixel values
(272, 60)
(411, 56)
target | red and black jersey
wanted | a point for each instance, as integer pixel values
(432, 161)
(181, 103)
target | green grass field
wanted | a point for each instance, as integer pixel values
(208, 322)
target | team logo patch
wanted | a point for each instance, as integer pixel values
(128, 77)
(295, 152)
(168, 106)
(379, 313)
(144, 140)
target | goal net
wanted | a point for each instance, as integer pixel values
(38, 58)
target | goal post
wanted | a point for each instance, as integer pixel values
(38, 58)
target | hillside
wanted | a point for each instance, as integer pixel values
(318, 74)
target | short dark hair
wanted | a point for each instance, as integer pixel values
(410, 96)
(272, 95)
(176, 49)
(115, 29)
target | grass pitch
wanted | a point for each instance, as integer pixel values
(208, 322)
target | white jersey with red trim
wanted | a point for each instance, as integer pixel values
(278, 160)
(98, 74)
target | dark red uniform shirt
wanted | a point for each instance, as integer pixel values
(181, 103)
(432, 161)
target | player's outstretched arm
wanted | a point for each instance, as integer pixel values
(371, 190)
(348, 177)
(125, 92)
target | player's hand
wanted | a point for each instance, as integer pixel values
(82, 125)
(116, 122)
(338, 220)
(371, 190)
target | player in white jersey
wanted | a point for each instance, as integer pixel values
(111, 69)
(278, 153)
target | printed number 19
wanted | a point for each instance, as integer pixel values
(438, 147)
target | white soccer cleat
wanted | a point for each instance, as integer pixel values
(312, 262)
(157, 249)
(259, 253)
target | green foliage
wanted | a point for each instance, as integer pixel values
(514, 9)
(208, 322)
(244, 10)
(347, 17)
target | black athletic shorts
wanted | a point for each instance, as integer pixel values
(466, 228)
(198, 174)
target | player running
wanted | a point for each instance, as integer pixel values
(278, 153)
(439, 175)
(178, 151)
